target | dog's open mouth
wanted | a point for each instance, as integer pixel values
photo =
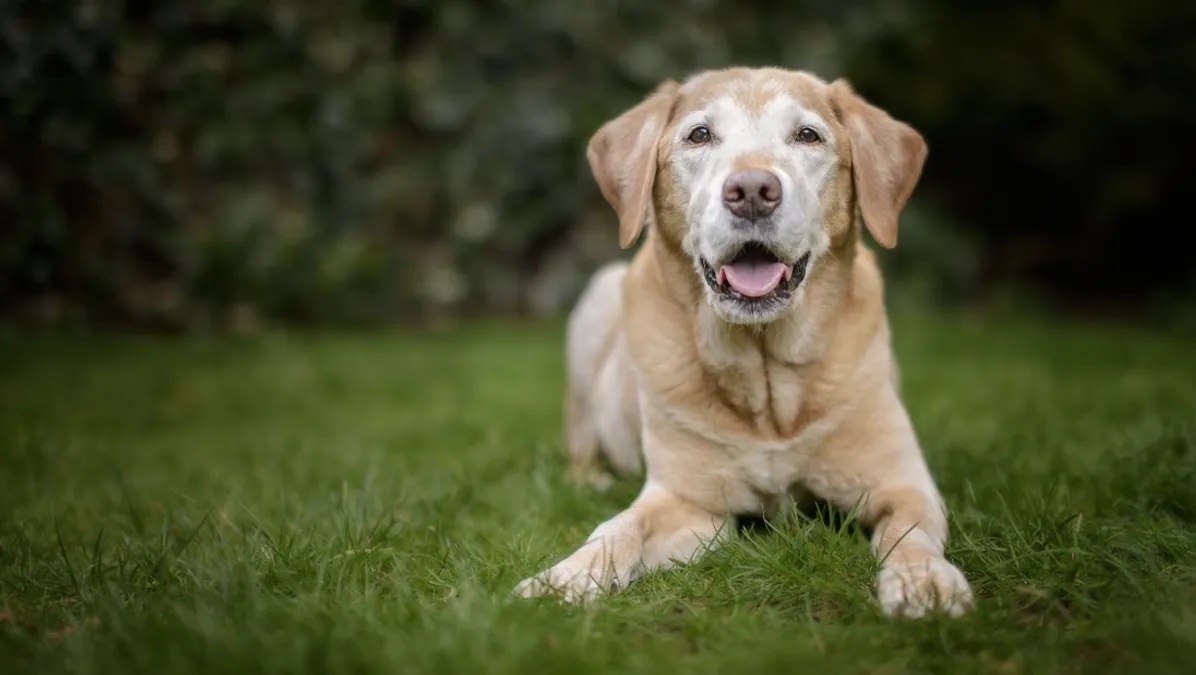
(755, 274)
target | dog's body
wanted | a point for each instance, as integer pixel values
(742, 358)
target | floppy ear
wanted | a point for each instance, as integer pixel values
(887, 157)
(622, 155)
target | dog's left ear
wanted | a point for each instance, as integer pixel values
(887, 157)
(622, 155)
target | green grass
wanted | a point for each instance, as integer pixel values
(364, 503)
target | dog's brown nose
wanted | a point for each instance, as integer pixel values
(752, 193)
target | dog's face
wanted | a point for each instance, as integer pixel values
(755, 174)
(756, 164)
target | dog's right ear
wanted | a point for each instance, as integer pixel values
(622, 155)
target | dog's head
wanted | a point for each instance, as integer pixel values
(755, 174)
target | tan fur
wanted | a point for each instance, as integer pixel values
(885, 178)
(622, 156)
(737, 419)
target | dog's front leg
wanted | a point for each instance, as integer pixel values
(658, 530)
(888, 481)
(909, 531)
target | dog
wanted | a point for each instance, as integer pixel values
(741, 360)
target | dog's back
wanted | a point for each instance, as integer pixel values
(601, 406)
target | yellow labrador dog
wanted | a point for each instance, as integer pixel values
(742, 359)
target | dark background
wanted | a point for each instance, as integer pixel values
(233, 164)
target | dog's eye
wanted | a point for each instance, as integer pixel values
(807, 135)
(700, 135)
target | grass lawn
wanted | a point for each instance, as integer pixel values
(365, 502)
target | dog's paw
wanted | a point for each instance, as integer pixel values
(930, 586)
(572, 583)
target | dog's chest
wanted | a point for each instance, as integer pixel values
(769, 398)
(774, 468)
(767, 472)
(777, 425)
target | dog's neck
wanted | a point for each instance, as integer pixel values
(761, 371)
(796, 338)
(787, 346)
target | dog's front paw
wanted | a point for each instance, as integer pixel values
(572, 583)
(916, 589)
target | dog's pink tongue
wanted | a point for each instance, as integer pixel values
(754, 278)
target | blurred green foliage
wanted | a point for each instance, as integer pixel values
(207, 165)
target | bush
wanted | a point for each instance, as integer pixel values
(190, 165)
(182, 164)
(1058, 133)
